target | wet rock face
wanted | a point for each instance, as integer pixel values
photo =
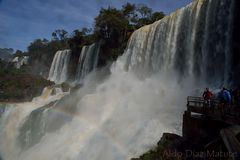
(201, 130)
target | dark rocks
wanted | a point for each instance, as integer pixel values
(201, 130)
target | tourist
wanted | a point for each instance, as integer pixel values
(207, 95)
(225, 99)
(226, 96)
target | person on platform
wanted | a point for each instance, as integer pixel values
(226, 100)
(226, 95)
(207, 95)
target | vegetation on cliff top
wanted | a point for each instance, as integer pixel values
(18, 86)
(112, 26)
(6, 53)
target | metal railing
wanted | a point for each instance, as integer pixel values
(195, 101)
(214, 108)
(200, 102)
(199, 105)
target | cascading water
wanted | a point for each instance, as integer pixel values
(87, 61)
(194, 41)
(59, 69)
(14, 117)
(125, 114)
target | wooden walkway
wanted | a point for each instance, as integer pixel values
(214, 110)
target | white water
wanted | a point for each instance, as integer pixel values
(193, 42)
(122, 118)
(87, 60)
(59, 69)
(20, 61)
(14, 117)
(144, 96)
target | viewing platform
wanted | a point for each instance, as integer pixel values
(213, 109)
(213, 125)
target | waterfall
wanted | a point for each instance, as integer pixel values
(125, 114)
(59, 68)
(14, 117)
(87, 61)
(193, 41)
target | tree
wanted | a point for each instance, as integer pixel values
(35, 45)
(85, 31)
(76, 40)
(144, 15)
(129, 11)
(157, 16)
(60, 34)
(110, 25)
(41, 53)
(144, 11)
(18, 53)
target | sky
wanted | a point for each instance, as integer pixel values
(23, 21)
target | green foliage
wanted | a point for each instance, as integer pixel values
(8, 69)
(144, 11)
(79, 38)
(60, 34)
(41, 53)
(21, 87)
(157, 16)
(128, 11)
(6, 53)
(17, 85)
(115, 26)
(145, 15)
(110, 24)
(76, 40)
(18, 53)
(86, 31)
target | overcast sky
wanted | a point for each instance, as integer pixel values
(22, 21)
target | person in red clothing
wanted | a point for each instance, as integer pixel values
(207, 95)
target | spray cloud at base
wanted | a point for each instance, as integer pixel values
(127, 124)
